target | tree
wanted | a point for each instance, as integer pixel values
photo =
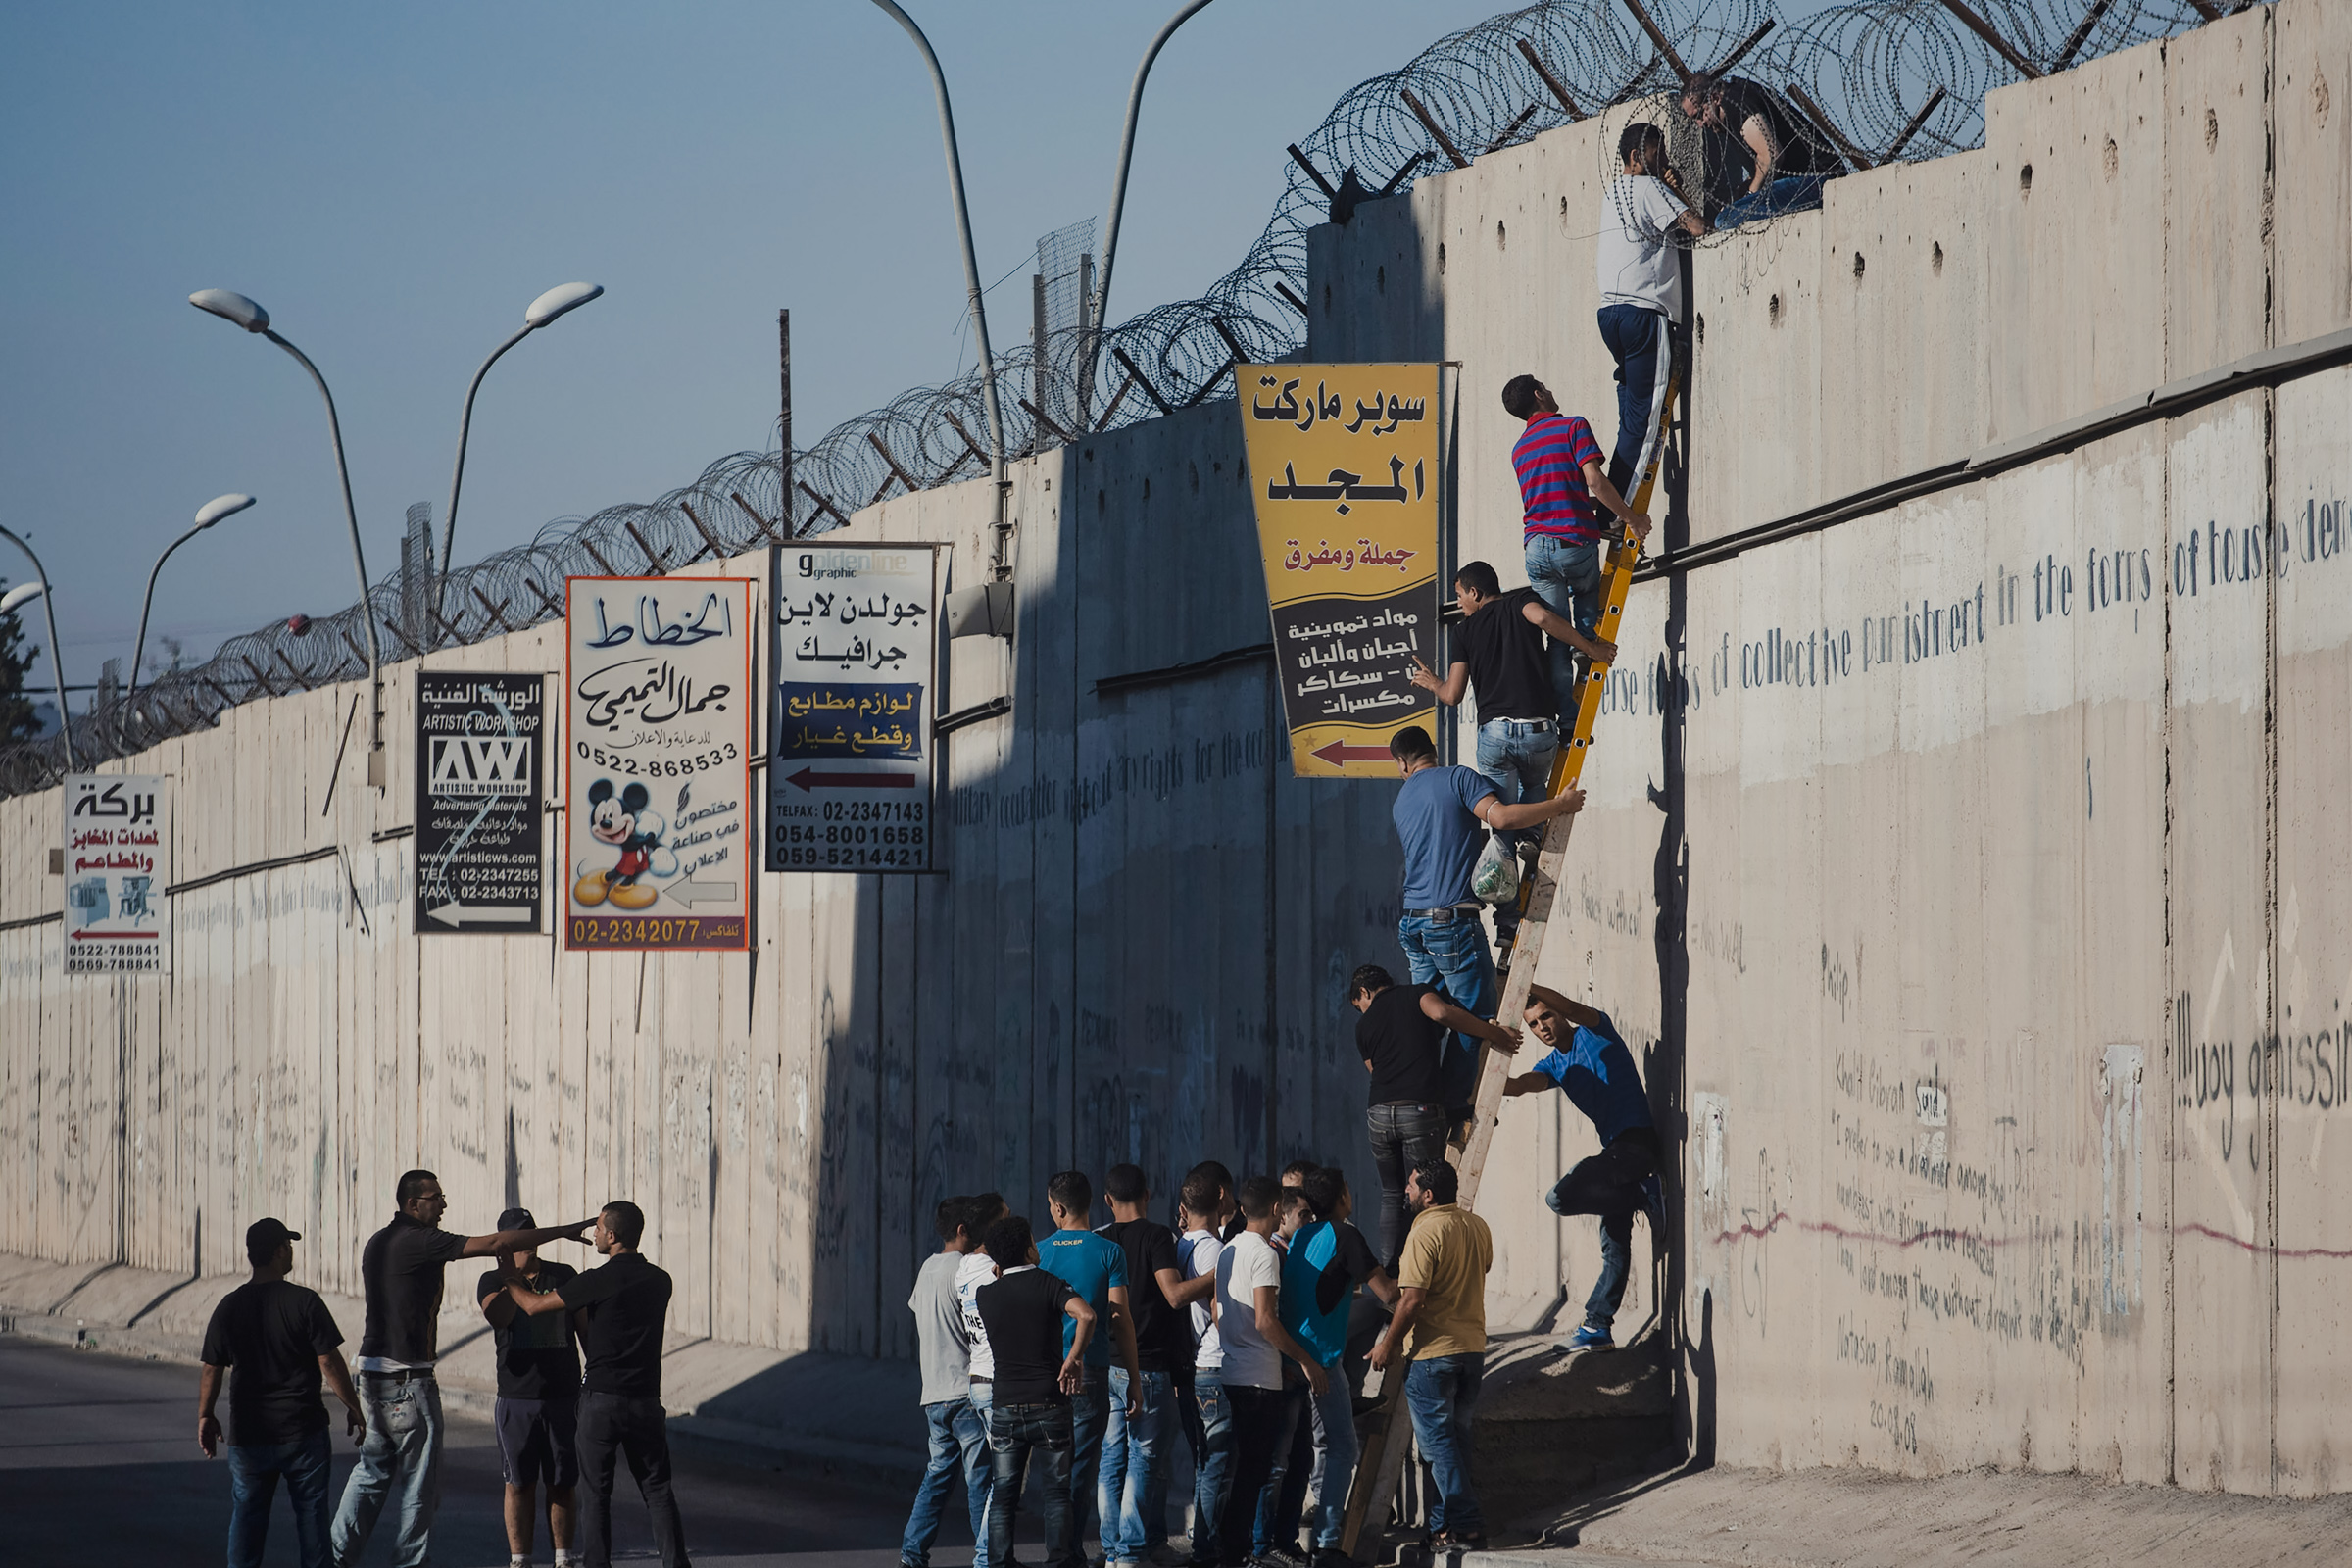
(17, 721)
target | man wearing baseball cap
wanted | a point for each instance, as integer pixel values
(283, 1343)
(538, 1398)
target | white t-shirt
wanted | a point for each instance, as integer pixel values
(1637, 265)
(977, 1269)
(1199, 1255)
(1249, 1261)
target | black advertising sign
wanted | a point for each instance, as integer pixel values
(481, 859)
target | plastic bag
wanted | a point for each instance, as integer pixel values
(1497, 878)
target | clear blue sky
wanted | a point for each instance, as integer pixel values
(395, 182)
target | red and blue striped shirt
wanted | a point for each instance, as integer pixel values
(1551, 460)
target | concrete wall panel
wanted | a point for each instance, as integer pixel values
(2312, 145)
(2217, 193)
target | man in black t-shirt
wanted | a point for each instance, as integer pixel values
(1029, 1414)
(1748, 124)
(1133, 1479)
(621, 1308)
(1498, 654)
(400, 1271)
(1399, 1035)
(281, 1343)
(538, 1396)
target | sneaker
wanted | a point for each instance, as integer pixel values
(1653, 1204)
(1331, 1557)
(1283, 1555)
(1502, 953)
(1165, 1555)
(1592, 1337)
(1459, 1541)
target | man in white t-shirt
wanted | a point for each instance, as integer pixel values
(1640, 284)
(976, 1270)
(1208, 1427)
(1254, 1343)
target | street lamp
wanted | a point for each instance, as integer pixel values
(212, 511)
(25, 593)
(249, 314)
(556, 302)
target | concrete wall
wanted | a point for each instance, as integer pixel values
(1985, 941)
(1988, 951)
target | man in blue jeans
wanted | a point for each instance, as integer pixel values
(1131, 1488)
(1097, 1270)
(1029, 1415)
(1499, 655)
(959, 1433)
(1640, 281)
(1589, 1061)
(1203, 1209)
(280, 1344)
(1441, 1306)
(1326, 1261)
(1560, 479)
(1442, 816)
(1787, 163)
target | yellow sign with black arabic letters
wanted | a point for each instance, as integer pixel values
(1344, 471)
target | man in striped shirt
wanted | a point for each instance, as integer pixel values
(1561, 474)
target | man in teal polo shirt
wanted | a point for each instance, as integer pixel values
(1327, 1259)
(1094, 1268)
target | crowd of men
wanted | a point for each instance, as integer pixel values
(579, 1386)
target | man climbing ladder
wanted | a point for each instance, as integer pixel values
(1384, 1437)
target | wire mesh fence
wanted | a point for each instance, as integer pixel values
(1862, 84)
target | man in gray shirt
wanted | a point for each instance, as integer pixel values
(959, 1433)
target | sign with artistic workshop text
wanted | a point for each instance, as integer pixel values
(857, 655)
(1343, 473)
(657, 782)
(117, 854)
(480, 745)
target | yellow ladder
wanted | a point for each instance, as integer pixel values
(1382, 1458)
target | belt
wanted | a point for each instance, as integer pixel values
(1451, 911)
(1522, 726)
(978, 1379)
(405, 1375)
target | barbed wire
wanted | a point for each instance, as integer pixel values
(1866, 82)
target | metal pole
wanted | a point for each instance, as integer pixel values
(456, 475)
(1118, 184)
(358, 558)
(57, 667)
(138, 650)
(964, 228)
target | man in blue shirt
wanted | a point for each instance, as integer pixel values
(1094, 1268)
(1589, 1061)
(1327, 1259)
(1442, 817)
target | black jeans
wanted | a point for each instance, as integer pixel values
(1259, 1435)
(1402, 1137)
(612, 1425)
(1609, 1183)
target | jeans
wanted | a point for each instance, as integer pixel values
(1259, 1435)
(1791, 193)
(1089, 1422)
(983, 1396)
(1209, 1426)
(1132, 1464)
(253, 1472)
(612, 1425)
(1278, 1512)
(1633, 336)
(1402, 1137)
(401, 1456)
(959, 1440)
(1451, 955)
(1334, 1414)
(1565, 574)
(1609, 1184)
(1442, 1393)
(1515, 757)
(1017, 1433)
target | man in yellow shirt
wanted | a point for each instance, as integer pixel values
(1443, 1306)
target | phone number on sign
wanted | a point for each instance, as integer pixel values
(686, 932)
(659, 767)
(852, 857)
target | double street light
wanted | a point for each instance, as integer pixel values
(211, 512)
(25, 593)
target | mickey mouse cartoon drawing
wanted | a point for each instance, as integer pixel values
(623, 822)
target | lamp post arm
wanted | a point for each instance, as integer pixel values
(456, 474)
(963, 226)
(358, 558)
(138, 650)
(1118, 184)
(57, 666)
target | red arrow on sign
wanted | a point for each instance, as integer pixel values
(811, 779)
(1339, 756)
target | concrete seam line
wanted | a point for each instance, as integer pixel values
(2270, 368)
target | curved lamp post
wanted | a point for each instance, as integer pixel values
(212, 511)
(556, 302)
(249, 314)
(25, 593)
(1118, 187)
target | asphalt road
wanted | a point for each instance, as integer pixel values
(102, 1467)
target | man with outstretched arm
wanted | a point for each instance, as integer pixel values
(1442, 816)
(1589, 1061)
(622, 1309)
(1441, 1306)
(401, 1273)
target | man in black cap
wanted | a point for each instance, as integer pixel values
(284, 1344)
(621, 1308)
(538, 1398)
(400, 1270)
